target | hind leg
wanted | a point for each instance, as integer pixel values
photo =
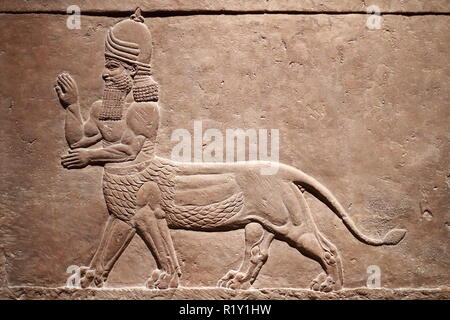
(310, 242)
(318, 248)
(333, 279)
(307, 239)
(257, 243)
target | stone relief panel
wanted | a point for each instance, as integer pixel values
(111, 198)
(152, 194)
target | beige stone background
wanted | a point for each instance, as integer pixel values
(364, 111)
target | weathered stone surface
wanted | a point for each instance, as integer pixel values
(16, 293)
(227, 5)
(363, 111)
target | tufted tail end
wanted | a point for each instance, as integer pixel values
(394, 236)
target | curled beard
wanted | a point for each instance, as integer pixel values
(114, 96)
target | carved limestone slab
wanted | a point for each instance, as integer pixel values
(225, 152)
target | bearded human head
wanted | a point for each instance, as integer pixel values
(128, 52)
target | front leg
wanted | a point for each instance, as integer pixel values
(115, 238)
(148, 228)
(152, 227)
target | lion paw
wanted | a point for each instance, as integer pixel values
(323, 283)
(162, 280)
(234, 280)
(89, 277)
(223, 281)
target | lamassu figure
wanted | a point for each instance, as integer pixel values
(126, 122)
(147, 194)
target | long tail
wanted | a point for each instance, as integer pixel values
(323, 194)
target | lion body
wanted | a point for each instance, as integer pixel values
(205, 197)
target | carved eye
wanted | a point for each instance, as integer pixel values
(112, 65)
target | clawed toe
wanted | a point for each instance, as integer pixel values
(323, 283)
(234, 280)
(226, 278)
(89, 277)
(162, 280)
(327, 285)
(316, 283)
